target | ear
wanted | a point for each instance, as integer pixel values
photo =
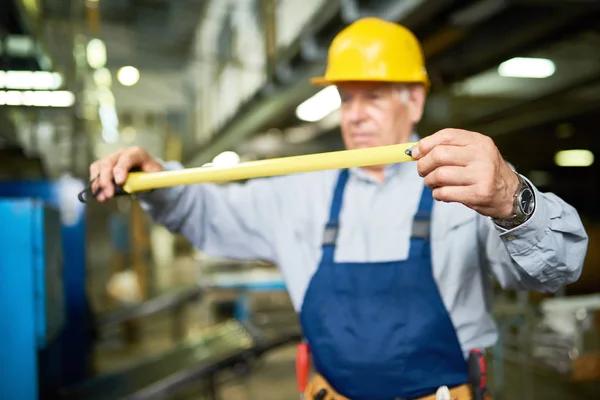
(416, 102)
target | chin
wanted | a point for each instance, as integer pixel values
(365, 145)
(361, 144)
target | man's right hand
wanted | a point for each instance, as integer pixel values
(116, 166)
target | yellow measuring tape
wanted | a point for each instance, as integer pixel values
(143, 181)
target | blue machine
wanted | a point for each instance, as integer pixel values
(75, 341)
(32, 307)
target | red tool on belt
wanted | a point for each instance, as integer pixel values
(302, 367)
(477, 374)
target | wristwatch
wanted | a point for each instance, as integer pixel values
(523, 206)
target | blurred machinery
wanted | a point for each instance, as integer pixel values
(68, 238)
(32, 306)
(547, 349)
(567, 339)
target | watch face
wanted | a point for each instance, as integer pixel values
(526, 201)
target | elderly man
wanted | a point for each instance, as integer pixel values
(387, 266)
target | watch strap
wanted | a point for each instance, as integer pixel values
(518, 217)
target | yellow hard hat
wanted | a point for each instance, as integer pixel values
(375, 50)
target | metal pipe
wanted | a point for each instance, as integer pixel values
(143, 181)
(270, 32)
(349, 10)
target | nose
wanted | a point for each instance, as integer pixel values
(355, 111)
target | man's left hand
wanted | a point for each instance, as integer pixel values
(466, 167)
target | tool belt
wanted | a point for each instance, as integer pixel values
(319, 389)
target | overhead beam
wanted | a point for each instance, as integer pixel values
(512, 32)
(555, 106)
(536, 116)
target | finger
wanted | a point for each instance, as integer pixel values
(453, 137)
(94, 169)
(94, 172)
(444, 155)
(105, 177)
(105, 180)
(448, 176)
(454, 194)
(471, 196)
(130, 158)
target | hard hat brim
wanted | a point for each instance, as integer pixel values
(323, 81)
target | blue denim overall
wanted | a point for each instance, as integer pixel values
(379, 330)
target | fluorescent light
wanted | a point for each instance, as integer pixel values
(102, 77)
(320, 105)
(520, 67)
(14, 98)
(62, 99)
(105, 96)
(574, 158)
(24, 80)
(40, 98)
(128, 76)
(19, 45)
(96, 53)
(110, 123)
(17, 80)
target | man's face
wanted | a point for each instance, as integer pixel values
(378, 114)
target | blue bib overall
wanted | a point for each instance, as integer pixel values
(380, 331)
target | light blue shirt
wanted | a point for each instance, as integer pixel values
(282, 219)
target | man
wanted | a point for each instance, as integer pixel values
(387, 266)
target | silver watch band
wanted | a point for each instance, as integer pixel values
(518, 216)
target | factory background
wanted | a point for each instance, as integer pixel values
(98, 302)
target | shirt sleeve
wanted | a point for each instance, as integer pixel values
(542, 254)
(235, 221)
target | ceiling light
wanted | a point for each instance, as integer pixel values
(24, 80)
(105, 97)
(19, 45)
(110, 123)
(574, 158)
(37, 98)
(128, 76)
(320, 105)
(520, 67)
(102, 77)
(96, 53)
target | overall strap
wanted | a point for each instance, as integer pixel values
(332, 226)
(422, 220)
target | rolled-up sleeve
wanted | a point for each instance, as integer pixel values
(544, 253)
(235, 221)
